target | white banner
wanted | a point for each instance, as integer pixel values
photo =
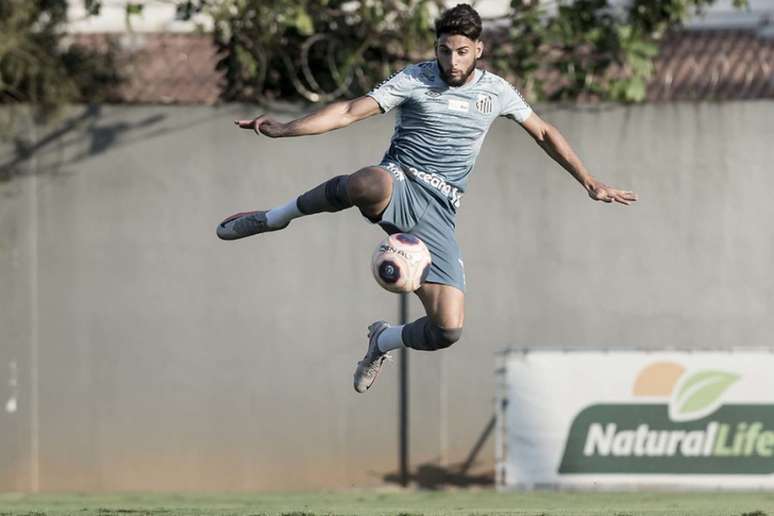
(606, 419)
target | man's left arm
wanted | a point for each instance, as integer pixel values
(552, 141)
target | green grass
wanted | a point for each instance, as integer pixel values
(408, 503)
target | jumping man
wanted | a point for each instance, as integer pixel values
(445, 107)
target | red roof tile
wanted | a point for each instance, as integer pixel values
(713, 64)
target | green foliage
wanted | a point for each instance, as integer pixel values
(590, 48)
(37, 67)
(319, 50)
(315, 50)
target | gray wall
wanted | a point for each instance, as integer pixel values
(150, 355)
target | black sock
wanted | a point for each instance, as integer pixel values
(331, 196)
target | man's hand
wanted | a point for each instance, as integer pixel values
(601, 192)
(551, 140)
(263, 124)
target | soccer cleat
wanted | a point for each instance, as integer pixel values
(245, 224)
(368, 368)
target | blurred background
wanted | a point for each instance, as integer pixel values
(139, 352)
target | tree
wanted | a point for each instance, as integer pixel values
(319, 50)
(314, 50)
(37, 68)
(589, 48)
(564, 50)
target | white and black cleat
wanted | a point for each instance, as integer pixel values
(368, 369)
(245, 224)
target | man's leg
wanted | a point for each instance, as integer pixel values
(442, 294)
(439, 329)
(369, 189)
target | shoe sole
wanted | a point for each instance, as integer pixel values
(222, 226)
(230, 236)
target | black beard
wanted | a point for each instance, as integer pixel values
(458, 82)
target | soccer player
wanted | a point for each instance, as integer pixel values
(445, 107)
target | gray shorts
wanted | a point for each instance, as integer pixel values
(429, 214)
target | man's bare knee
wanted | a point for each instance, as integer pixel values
(369, 185)
(448, 329)
(370, 189)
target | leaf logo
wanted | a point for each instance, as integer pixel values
(699, 394)
(691, 396)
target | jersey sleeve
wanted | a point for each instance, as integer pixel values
(512, 104)
(396, 89)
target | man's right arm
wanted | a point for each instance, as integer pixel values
(333, 116)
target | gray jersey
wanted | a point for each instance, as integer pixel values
(439, 129)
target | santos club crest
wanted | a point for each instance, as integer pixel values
(484, 104)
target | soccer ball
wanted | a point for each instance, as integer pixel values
(401, 263)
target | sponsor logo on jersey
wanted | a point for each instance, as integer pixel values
(484, 104)
(461, 106)
(433, 93)
(396, 171)
(435, 181)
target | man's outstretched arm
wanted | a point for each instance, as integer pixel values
(333, 116)
(552, 141)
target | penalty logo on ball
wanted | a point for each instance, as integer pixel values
(401, 263)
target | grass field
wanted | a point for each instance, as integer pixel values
(408, 503)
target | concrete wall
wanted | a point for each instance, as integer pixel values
(147, 354)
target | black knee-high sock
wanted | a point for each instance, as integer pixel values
(424, 335)
(330, 196)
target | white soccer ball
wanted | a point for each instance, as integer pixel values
(401, 263)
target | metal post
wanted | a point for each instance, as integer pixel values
(404, 467)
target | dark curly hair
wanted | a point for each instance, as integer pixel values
(461, 19)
